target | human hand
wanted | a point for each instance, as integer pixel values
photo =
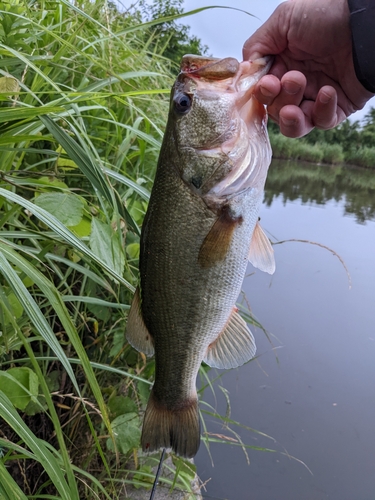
(312, 82)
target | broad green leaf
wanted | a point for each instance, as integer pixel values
(67, 207)
(119, 405)
(63, 232)
(118, 342)
(126, 429)
(83, 228)
(133, 250)
(9, 85)
(89, 167)
(105, 243)
(51, 182)
(143, 390)
(63, 162)
(20, 385)
(15, 304)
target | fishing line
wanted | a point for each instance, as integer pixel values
(157, 475)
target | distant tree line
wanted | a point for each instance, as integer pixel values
(169, 38)
(351, 143)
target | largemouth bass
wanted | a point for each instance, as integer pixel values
(200, 230)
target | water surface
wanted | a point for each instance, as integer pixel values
(317, 398)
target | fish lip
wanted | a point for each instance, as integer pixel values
(245, 73)
(209, 68)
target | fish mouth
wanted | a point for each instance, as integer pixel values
(210, 68)
(245, 74)
(248, 150)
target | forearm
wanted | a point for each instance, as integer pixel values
(362, 24)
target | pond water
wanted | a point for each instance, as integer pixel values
(314, 394)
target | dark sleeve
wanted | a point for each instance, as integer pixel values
(362, 24)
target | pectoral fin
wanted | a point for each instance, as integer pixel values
(217, 242)
(261, 253)
(137, 333)
(234, 346)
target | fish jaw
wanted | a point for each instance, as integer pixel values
(222, 140)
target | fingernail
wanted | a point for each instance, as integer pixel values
(291, 87)
(288, 122)
(324, 98)
(265, 92)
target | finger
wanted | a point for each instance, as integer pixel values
(267, 89)
(295, 121)
(292, 87)
(326, 114)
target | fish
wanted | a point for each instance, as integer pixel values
(200, 230)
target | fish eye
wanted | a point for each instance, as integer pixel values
(182, 103)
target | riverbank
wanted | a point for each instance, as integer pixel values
(321, 152)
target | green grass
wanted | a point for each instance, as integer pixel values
(332, 154)
(83, 105)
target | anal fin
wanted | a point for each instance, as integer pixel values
(261, 253)
(137, 333)
(234, 346)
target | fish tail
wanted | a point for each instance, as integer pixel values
(178, 429)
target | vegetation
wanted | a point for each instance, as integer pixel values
(169, 38)
(350, 143)
(83, 102)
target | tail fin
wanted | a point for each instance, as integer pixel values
(176, 429)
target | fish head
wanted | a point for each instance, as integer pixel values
(217, 129)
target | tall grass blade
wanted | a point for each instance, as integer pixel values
(31, 307)
(57, 303)
(92, 171)
(36, 445)
(9, 489)
(62, 231)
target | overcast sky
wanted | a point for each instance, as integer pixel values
(224, 31)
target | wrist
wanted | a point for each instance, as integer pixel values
(362, 24)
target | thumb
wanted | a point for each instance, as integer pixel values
(271, 37)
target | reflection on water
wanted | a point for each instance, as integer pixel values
(317, 399)
(354, 187)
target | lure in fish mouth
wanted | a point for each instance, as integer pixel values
(200, 230)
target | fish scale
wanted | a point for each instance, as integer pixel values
(195, 243)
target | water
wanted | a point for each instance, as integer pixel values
(315, 393)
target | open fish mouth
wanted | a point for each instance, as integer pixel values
(245, 73)
(247, 147)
